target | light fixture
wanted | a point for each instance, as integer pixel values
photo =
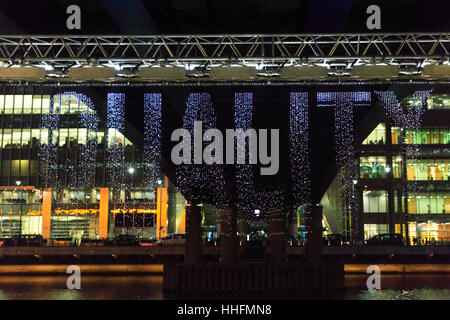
(131, 170)
(387, 169)
(159, 181)
(355, 181)
(18, 182)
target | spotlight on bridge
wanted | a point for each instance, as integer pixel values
(126, 73)
(55, 73)
(409, 70)
(268, 72)
(198, 72)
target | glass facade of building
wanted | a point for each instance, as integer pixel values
(419, 190)
(75, 205)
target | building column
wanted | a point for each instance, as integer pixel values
(193, 246)
(390, 174)
(314, 246)
(161, 210)
(172, 209)
(46, 213)
(228, 235)
(277, 237)
(103, 214)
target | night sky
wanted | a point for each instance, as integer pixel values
(221, 16)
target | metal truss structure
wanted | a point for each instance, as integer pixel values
(261, 51)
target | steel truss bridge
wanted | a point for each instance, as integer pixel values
(180, 57)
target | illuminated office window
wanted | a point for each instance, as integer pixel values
(422, 170)
(116, 138)
(63, 136)
(2, 103)
(27, 104)
(6, 138)
(18, 104)
(9, 104)
(438, 101)
(375, 201)
(428, 136)
(377, 136)
(37, 104)
(429, 203)
(372, 167)
(45, 104)
(16, 138)
(371, 230)
(396, 135)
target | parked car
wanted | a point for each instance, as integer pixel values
(148, 243)
(293, 241)
(29, 240)
(124, 240)
(172, 240)
(386, 239)
(333, 240)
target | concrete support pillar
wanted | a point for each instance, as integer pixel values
(172, 210)
(103, 213)
(193, 247)
(277, 237)
(389, 176)
(46, 213)
(228, 235)
(314, 244)
(242, 229)
(161, 210)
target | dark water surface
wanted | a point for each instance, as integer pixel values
(403, 287)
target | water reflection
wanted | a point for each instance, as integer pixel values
(92, 288)
(394, 287)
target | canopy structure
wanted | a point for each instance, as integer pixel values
(233, 57)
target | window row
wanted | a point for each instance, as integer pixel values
(428, 170)
(429, 203)
(71, 137)
(376, 167)
(375, 201)
(40, 104)
(136, 220)
(420, 136)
